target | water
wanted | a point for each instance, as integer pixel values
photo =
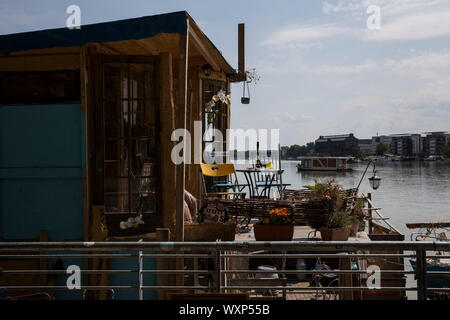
(409, 192)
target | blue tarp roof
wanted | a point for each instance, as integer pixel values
(137, 28)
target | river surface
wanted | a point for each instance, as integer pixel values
(409, 192)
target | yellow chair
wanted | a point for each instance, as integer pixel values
(218, 171)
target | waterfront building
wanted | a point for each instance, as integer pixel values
(376, 140)
(337, 145)
(406, 145)
(365, 145)
(434, 143)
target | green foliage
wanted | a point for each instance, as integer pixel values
(296, 150)
(446, 151)
(382, 149)
(278, 216)
(330, 191)
(338, 219)
(359, 206)
(334, 195)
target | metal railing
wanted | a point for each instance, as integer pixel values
(214, 267)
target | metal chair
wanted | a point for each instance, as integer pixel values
(216, 171)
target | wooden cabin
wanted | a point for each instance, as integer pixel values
(86, 118)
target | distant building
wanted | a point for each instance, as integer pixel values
(376, 140)
(365, 144)
(406, 145)
(336, 145)
(434, 143)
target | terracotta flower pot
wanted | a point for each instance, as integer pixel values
(340, 234)
(209, 231)
(354, 228)
(273, 232)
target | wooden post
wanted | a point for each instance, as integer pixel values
(421, 275)
(345, 280)
(43, 263)
(241, 48)
(369, 206)
(167, 120)
(163, 235)
(98, 233)
(181, 123)
(84, 107)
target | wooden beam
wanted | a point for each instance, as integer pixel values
(167, 120)
(181, 123)
(202, 48)
(241, 48)
(84, 107)
(219, 76)
(40, 63)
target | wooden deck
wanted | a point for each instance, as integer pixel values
(300, 233)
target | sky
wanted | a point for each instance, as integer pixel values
(322, 71)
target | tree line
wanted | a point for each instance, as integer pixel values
(294, 151)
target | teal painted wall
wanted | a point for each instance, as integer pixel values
(42, 157)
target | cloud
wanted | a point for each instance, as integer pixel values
(401, 19)
(427, 65)
(422, 25)
(301, 34)
(357, 68)
(288, 117)
(389, 7)
(343, 6)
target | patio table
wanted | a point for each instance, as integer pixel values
(260, 181)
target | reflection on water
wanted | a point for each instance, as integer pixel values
(409, 191)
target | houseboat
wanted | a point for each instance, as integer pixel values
(324, 164)
(86, 118)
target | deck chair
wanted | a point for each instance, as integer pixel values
(217, 171)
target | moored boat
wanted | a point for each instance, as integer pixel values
(439, 263)
(324, 164)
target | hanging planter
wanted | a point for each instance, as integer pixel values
(245, 99)
(210, 107)
(251, 76)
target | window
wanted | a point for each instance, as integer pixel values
(130, 157)
(39, 87)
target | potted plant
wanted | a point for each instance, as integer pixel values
(277, 226)
(337, 227)
(354, 225)
(357, 217)
(212, 224)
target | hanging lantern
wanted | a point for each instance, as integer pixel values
(375, 181)
(207, 70)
